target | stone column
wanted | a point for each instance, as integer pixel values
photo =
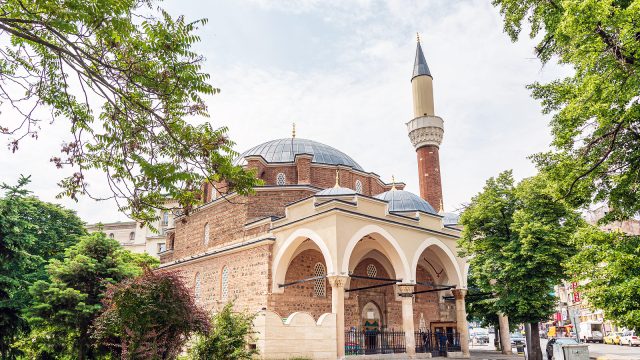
(337, 307)
(461, 318)
(505, 338)
(406, 292)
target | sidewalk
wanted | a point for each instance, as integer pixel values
(493, 355)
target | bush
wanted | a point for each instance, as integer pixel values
(228, 338)
(149, 317)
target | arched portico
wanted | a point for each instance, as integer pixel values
(287, 251)
(373, 237)
(445, 256)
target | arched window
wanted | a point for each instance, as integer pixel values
(224, 284)
(320, 285)
(132, 236)
(372, 271)
(281, 179)
(112, 236)
(165, 218)
(358, 186)
(197, 287)
(206, 234)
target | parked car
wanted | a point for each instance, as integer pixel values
(613, 338)
(479, 336)
(563, 341)
(516, 338)
(629, 338)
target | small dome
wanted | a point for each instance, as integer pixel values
(450, 218)
(336, 191)
(285, 150)
(400, 200)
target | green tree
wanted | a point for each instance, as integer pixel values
(149, 317)
(65, 305)
(228, 339)
(596, 111)
(31, 233)
(613, 283)
(517, 237)
(121, 75)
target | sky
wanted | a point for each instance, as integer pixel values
(341, 71)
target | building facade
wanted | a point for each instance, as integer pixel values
(140, 239)
(329, 247)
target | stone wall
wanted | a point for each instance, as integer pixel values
(248, 282)
(299, 336)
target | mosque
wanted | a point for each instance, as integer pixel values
(335, 262)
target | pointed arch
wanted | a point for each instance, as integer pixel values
(389, 247)
(286, 251)
(450, 261)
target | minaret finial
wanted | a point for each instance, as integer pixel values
(418, 36)
(293, 131)
(393, 183)
(441, 206)
(337, 185)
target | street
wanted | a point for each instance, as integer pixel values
(596, 351)
(605, 351)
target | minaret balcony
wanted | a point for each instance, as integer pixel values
(426, 130)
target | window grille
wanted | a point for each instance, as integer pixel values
(132, 236)
(112, 236)
(372, 271)
(320, 285)
(206, 234)
(358, 186)
(224, 293)
(281, 179)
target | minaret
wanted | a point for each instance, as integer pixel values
(425, 131)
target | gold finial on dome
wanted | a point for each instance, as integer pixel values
(293, 131)
(393, 183)
(337, 185)
(418, 36)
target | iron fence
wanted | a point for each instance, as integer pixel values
(365, 342)
(437, 343)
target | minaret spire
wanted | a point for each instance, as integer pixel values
(426, 130)
(420, 66)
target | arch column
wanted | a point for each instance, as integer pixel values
(406, 293)
(461, 320)
(337, 307)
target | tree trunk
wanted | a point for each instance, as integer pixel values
(533, 341)
(505, 339)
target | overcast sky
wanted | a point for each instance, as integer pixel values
(341, 71)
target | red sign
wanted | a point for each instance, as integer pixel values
(576, 296)
(558, 316)
(574, 285)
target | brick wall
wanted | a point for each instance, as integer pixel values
(426, 304)
(429, 175)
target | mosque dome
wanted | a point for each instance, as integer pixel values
(401, 200)
(285, 150)
(336, 191)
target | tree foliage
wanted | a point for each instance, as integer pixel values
(517, 237)
(228, 338)
(121, 75)
(149, 317)
(613, 283)
(65, 305)
(596, 121)
(31, 233)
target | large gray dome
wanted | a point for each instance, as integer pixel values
(400, 200)
(285, 150)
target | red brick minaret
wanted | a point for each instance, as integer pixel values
(425, 132)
